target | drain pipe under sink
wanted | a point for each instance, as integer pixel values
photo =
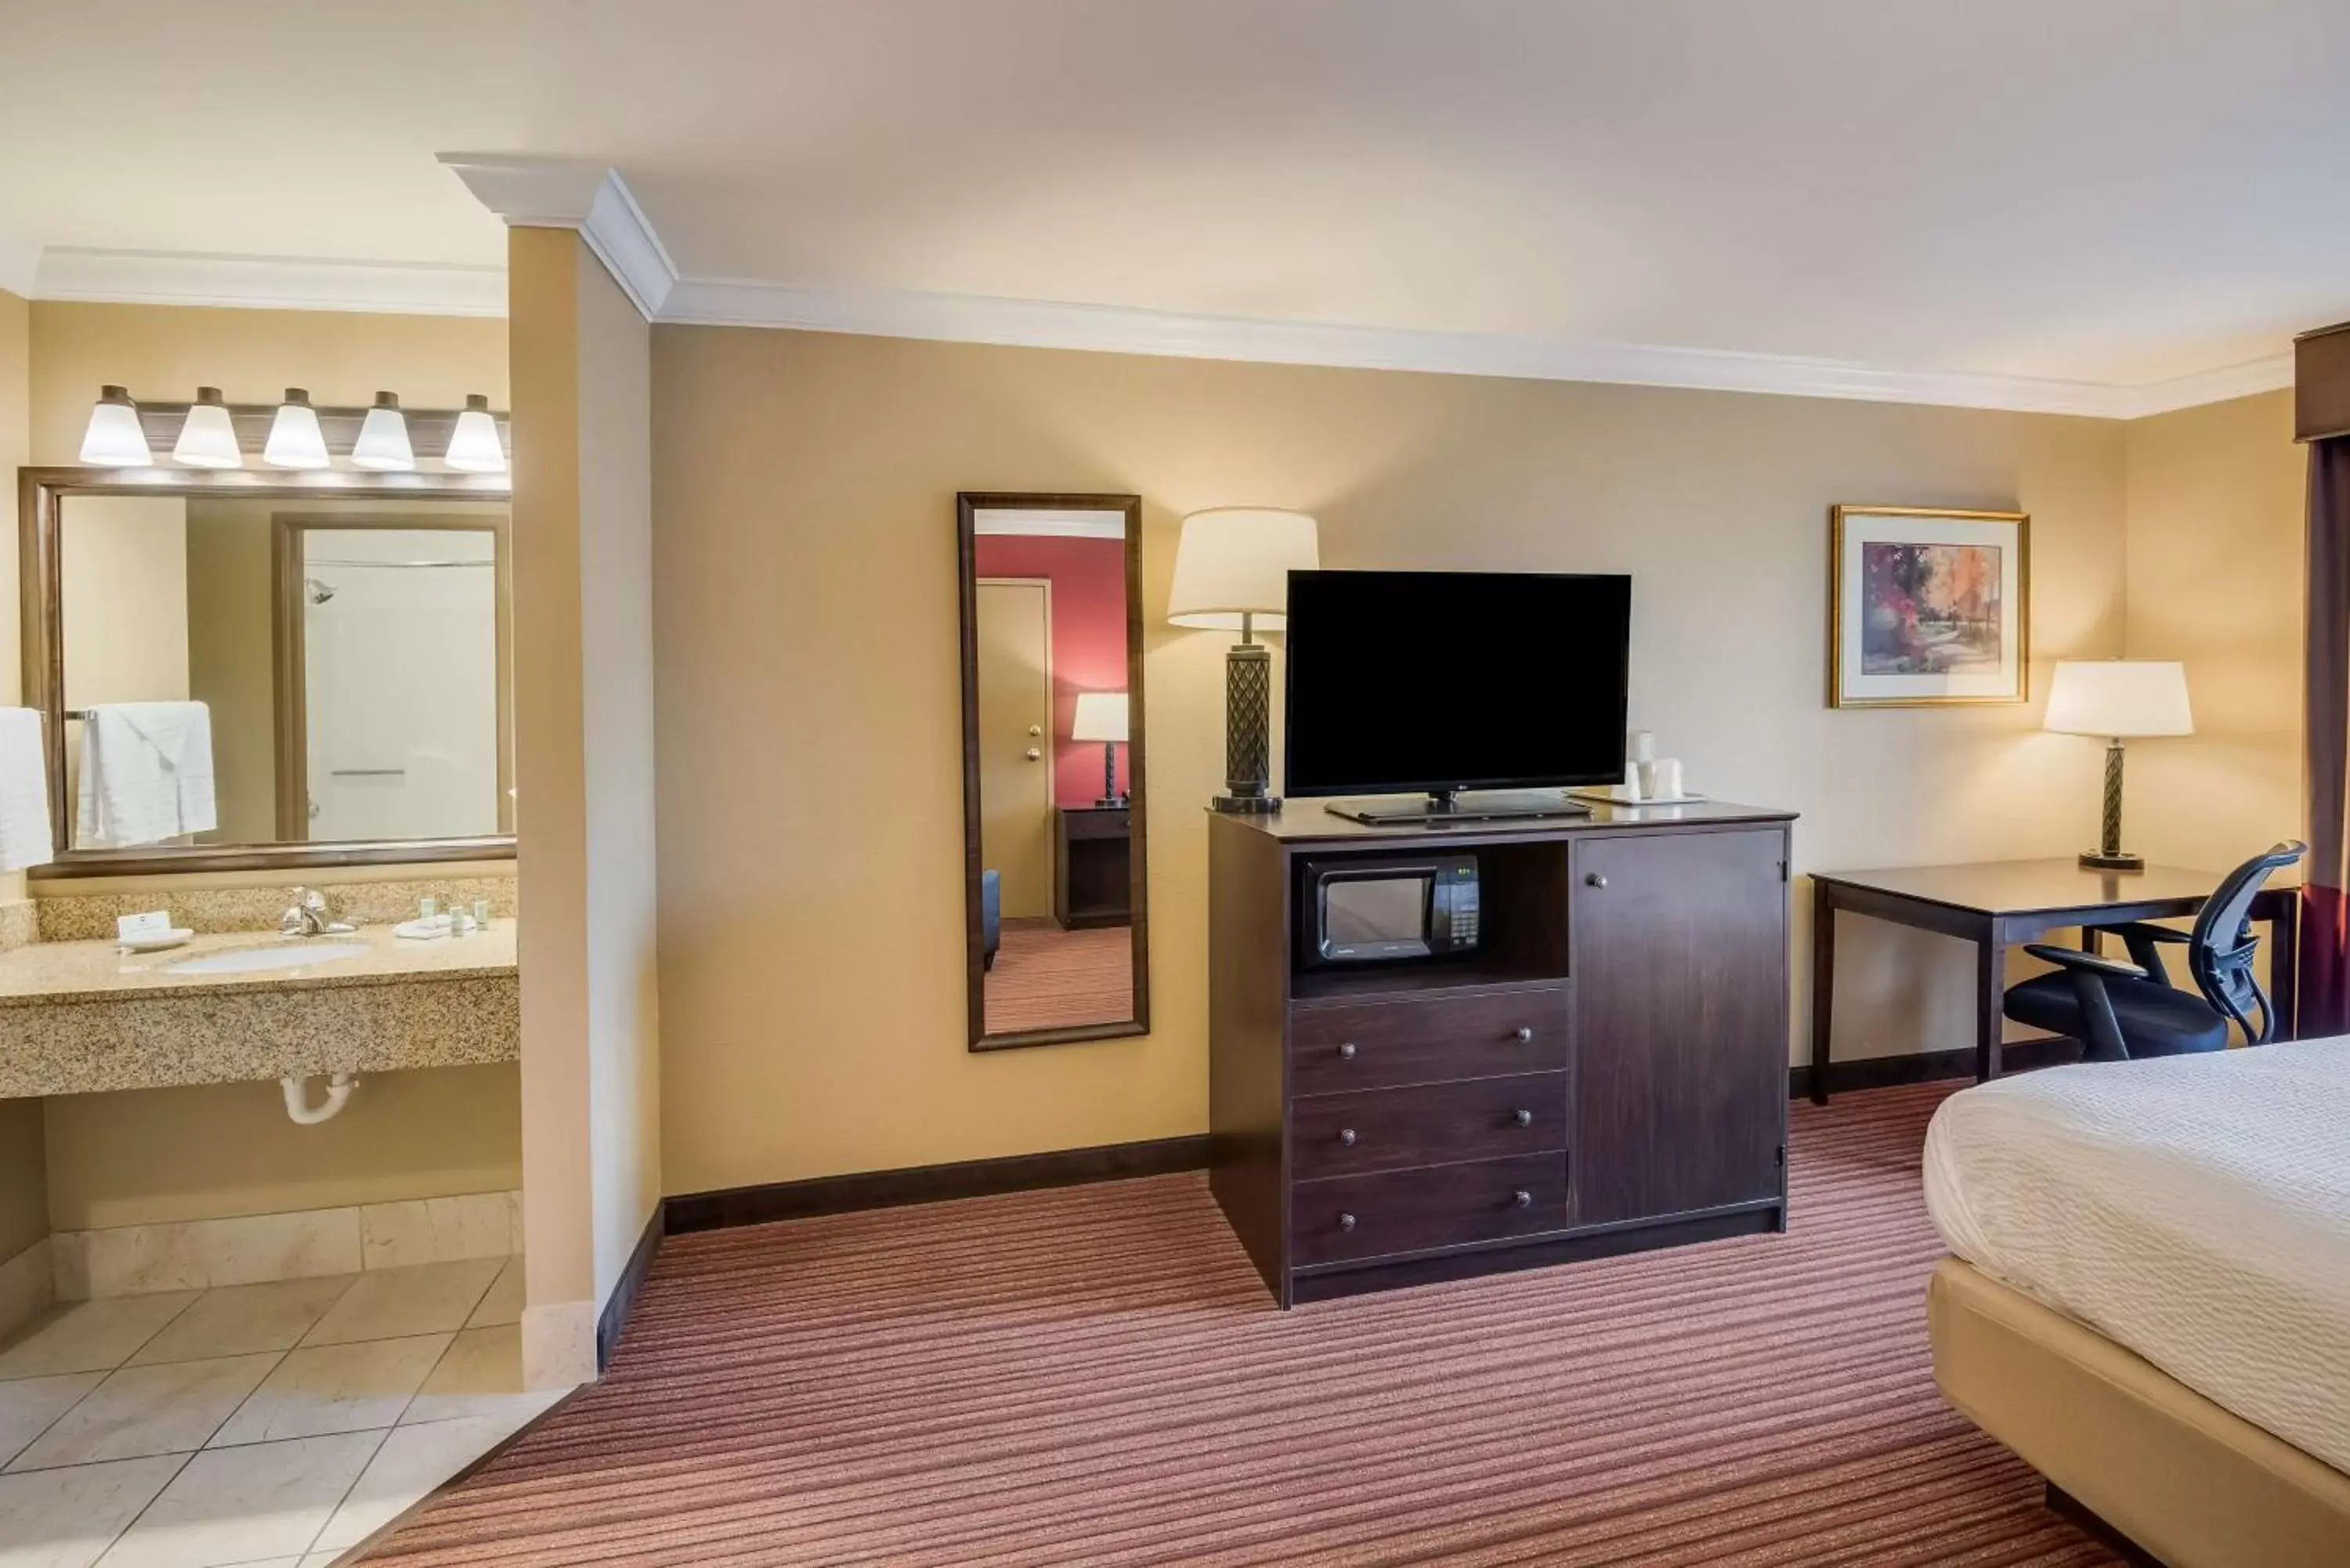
(297, 1097)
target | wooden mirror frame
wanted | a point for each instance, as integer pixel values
(968, 505)
(41, 496)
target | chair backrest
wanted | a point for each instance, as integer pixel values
(2220, 947)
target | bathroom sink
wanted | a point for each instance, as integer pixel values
(248, 960)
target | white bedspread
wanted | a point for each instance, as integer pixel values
(2194, 1208)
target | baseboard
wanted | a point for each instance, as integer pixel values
(613, 1321)
(1930, 1066)
(933, 1183)
(27, 1286)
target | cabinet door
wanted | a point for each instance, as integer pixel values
(1680, 982)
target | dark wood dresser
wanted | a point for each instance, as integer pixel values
(1093, 866)
(1608, 1071)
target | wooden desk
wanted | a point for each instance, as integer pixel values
(1999, 903)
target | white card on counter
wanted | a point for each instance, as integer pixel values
(129, 925)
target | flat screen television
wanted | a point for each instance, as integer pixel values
(1437, 683)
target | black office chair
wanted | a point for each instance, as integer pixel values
(2121, 1011)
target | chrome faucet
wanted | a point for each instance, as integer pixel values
(309, 917)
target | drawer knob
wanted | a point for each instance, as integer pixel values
(1345, 1221)
(1523, 1117)
(1347, 1052)
(1522, 1199)
(1523, 1033)
(1594, 879)
(1346, 1136)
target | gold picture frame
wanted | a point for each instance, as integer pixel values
(1902, 581)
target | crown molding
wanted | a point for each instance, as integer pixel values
(1035, 324)
(2271, 374)
(268, 283)
(1038, 522)
(559, 193)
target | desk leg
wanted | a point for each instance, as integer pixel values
(1991, 975)
(1822, 987)
(2284, 962)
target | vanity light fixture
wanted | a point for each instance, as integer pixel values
(114, 439)
(473, 445)
(208, 439)
(382, 443)
(295, 439)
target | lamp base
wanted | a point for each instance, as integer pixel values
(1247, 804)
(2117, 861)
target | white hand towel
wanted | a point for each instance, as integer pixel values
(146, 775)
(24, 837)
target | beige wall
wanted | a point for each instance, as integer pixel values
(231, 660)
(23, 1191)
(809, 734)
(2217, 508)
(163, 353)
(583, 684)
(121, 1158)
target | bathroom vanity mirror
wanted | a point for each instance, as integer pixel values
(1058, 946)
(244, 670)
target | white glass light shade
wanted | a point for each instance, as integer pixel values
(383, 438)
(208, 439)
(473, 445)
(114, 439)
(2119, 697)
(1100, 716)
(1237, 559)
(295, 439)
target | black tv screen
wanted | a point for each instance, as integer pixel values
(1406, 682)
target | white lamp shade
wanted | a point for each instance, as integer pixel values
(383, 444)
(1236, 560)
(1101, 716)
(208, 438)
(2119, 697)
(114, 439)
(295, 439)
(473, 445)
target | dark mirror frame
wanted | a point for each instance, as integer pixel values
(968, 505)
(41, 494)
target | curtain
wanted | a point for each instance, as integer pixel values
(2325, 919)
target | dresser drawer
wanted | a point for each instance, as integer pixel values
(1356, 1217)
(1376, 1045)
(1434, 1124)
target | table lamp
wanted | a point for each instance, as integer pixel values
(1101, 716)
(1231, 574)
(2118, 699)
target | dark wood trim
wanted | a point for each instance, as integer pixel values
(290, 653)
(1329, 1284)
(613, 1321)
(968, 505)
(2321, 383)
(1930, 1066)
(41, 493)
(933, 1183)
(2078, 1514)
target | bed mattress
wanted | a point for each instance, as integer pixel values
(2195, 1210)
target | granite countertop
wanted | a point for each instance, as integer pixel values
(47, 972)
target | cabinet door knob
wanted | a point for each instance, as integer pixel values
(1347, 1052)
(1523, 1118)
(1523, 1033)
(1594, 879)
(1346, 1136)
(1345, 1221)
(1522, 1199)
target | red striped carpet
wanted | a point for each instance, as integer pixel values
(1095, 1376)
(1047, 978)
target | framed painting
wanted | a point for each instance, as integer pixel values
(1927, 607)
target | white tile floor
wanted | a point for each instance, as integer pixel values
(274, 1426)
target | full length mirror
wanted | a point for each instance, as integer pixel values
(293, 677)
(1058, 944)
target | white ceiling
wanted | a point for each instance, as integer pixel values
(2112, 191)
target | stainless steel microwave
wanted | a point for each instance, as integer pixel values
(1376, 909)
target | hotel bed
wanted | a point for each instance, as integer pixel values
(2150, 1300)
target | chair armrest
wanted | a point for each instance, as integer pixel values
(2147, 929)
(2090, 963)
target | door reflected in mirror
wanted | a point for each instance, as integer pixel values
(1056, 946)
